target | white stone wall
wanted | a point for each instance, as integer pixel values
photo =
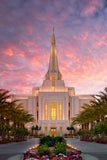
(28, 104)
(84, 99)
(74, 106)
(53, 97)
(57, 98)
(54, 124)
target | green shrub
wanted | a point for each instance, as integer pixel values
(59, 139)
(51, 141)
(68, 135)
(98, 129)
(41, 135)
(82, 132)
(22, 131)
(48, 140)
(43, 150)
(60, 148)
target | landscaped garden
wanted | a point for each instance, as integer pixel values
(12, 119)
(93, 119)
(52, 148)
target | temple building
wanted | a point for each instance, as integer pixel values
(53, 104)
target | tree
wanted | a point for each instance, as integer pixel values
(37, 128)
(4, 96)
(93, 113)
(10, 112)
(32, 128)
(105, 126)
(20, 118)
(71, 128)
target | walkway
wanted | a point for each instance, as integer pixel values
(90, 148)
(9, 150)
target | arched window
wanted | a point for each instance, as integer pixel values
(46, 109)
(53, 111)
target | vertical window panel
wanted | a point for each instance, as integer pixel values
(53, 111)
(46, 110)
(60, 111)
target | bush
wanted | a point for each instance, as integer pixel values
(22, 131)
(60, 148)
(82, 132)
(51, 141)
(59, 139)
(48, 140)
(43, 150)
(41, 135)
(98, 129)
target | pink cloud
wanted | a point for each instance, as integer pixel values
(92, 6)
(9, 52)
(80, 38)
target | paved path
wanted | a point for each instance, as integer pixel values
(9, 150)
(90, 148)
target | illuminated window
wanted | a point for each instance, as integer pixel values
(53, 111)
(53, 131)
(46, 108)
(53, 89)
(60, 111)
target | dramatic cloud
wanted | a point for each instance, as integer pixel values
(25, 41)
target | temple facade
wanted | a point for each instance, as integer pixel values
(53, 104)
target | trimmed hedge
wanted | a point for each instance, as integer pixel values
(51, 141)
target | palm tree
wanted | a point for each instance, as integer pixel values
(37, 128)
(11, 112)
(20, 118)
(93, 112)
(4, 96)
(100, 105)
(8, 116)
(71, 128)
(32, 128)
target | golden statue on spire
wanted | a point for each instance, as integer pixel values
(53, 30)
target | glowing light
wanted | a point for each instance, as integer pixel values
(72, 147)
(53, 89)
(46, 114)
(53, 131)
(21, 108)
(60, 111)
(35, 147)
(53, 111)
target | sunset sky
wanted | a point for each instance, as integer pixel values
(81, 40)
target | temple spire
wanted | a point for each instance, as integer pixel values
(53, 30)
(53, 70)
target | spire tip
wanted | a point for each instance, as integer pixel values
(53, 29)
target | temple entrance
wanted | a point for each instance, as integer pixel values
(53, 131)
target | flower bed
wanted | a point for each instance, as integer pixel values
(54, 148)
(101, 141)
(86, 140)
(31, 156)
(11, 141)
(97, 141)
